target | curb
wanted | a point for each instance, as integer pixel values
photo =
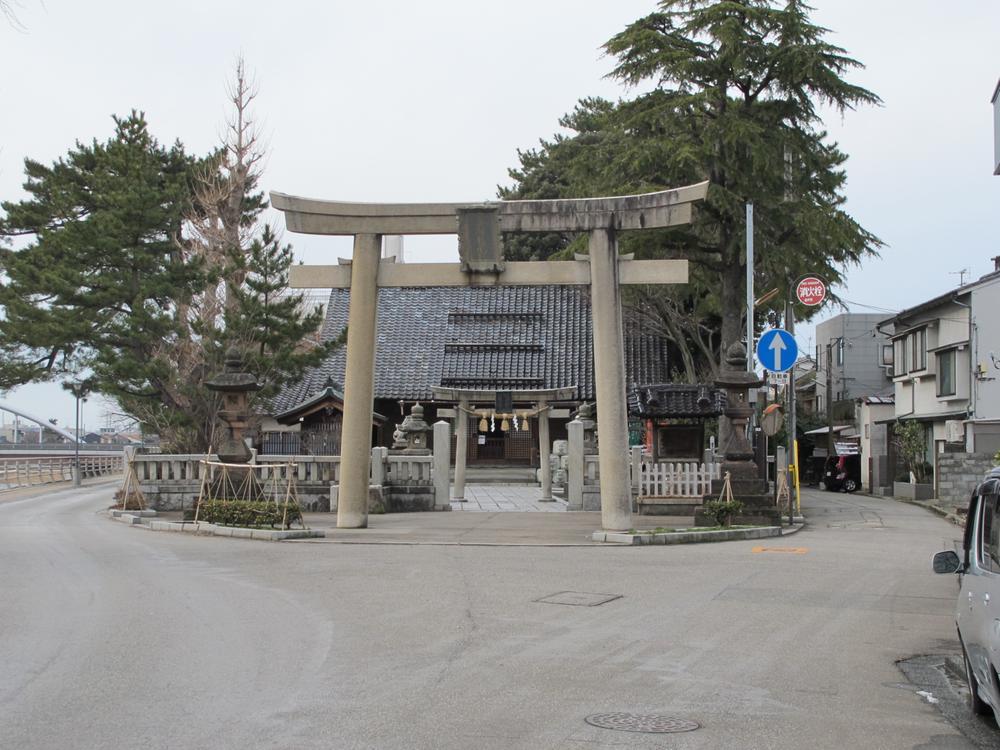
(935, 509)
(691, 537)
(143, 520)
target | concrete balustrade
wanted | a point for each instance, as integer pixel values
(173, 481)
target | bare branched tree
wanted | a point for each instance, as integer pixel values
(223, 219)
(7, 10)
(220, 227)
(694, 339)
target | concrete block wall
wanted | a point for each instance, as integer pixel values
(959, 473)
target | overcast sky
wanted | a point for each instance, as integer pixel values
(404, 101)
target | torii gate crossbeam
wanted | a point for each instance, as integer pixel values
(479, 227)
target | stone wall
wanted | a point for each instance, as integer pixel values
(958, 474)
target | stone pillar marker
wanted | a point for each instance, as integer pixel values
(636, 469)
(359, 385)
(544, 450)
(461, 448)
(480, 227)
(574, 469)
(442, 452)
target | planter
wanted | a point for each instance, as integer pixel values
(908, 491)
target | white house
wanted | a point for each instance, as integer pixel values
(946, 369)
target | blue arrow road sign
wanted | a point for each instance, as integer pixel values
(777, 350)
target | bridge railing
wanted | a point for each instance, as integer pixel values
(28, 471)
(66, 447)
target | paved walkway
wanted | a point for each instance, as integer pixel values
(495, 498)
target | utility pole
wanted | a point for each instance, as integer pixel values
(829, 399)
(793, 453)
(750, 321)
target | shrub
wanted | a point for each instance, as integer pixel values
(246, 513)
(133, 502)
(910, 438)
(722, 511)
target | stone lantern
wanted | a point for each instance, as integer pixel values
(410, 437)
(235, 385)
(737, 461)
(585, 415)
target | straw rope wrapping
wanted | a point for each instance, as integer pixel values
(252, 483)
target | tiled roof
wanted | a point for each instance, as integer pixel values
(508, 338)
(676, 400)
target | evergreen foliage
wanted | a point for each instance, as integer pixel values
(97, 286)
(910, 438)
(278, 338)
(144, 267)
(736, 89)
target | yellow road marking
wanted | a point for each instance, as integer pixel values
(787, 550)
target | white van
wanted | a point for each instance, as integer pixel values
(978, 611)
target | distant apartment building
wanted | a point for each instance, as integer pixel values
(855, 357)
(996, 129)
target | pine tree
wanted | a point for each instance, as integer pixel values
(97, 286)
(279, 338)
(737, 85)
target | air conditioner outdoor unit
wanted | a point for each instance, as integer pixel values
(954, 431)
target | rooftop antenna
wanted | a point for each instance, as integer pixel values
(961, 275)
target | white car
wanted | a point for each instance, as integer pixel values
(978, 611)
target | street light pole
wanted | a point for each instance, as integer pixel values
(79, 389)
(76, 445)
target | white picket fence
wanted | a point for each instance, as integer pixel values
(677, 478)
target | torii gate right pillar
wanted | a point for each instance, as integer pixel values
(609, 379)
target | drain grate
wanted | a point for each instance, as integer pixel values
(578, 598)
(626, 722)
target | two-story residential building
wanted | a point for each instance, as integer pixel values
(945, 355)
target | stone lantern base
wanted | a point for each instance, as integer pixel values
(758, 503)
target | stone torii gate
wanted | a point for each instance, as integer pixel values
(479, 227)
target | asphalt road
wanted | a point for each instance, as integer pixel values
(112, 637)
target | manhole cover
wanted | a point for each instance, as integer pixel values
(641, 723)
(578, 598)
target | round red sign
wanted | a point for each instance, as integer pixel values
(811, 291)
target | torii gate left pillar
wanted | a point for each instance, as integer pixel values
(479, 227)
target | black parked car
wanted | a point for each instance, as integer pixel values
(842, 473)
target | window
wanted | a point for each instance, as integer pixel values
(899, 356)
(887, 355)
(919, 350)
(946, 373)
(989, 550)
(840, 351)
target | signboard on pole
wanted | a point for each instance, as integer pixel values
(777, 350)
(776, 379)
(810, 291)
(772, 419)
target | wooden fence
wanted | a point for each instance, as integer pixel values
(677, 478)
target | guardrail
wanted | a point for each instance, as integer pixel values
(25, 472)
(61, 447)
